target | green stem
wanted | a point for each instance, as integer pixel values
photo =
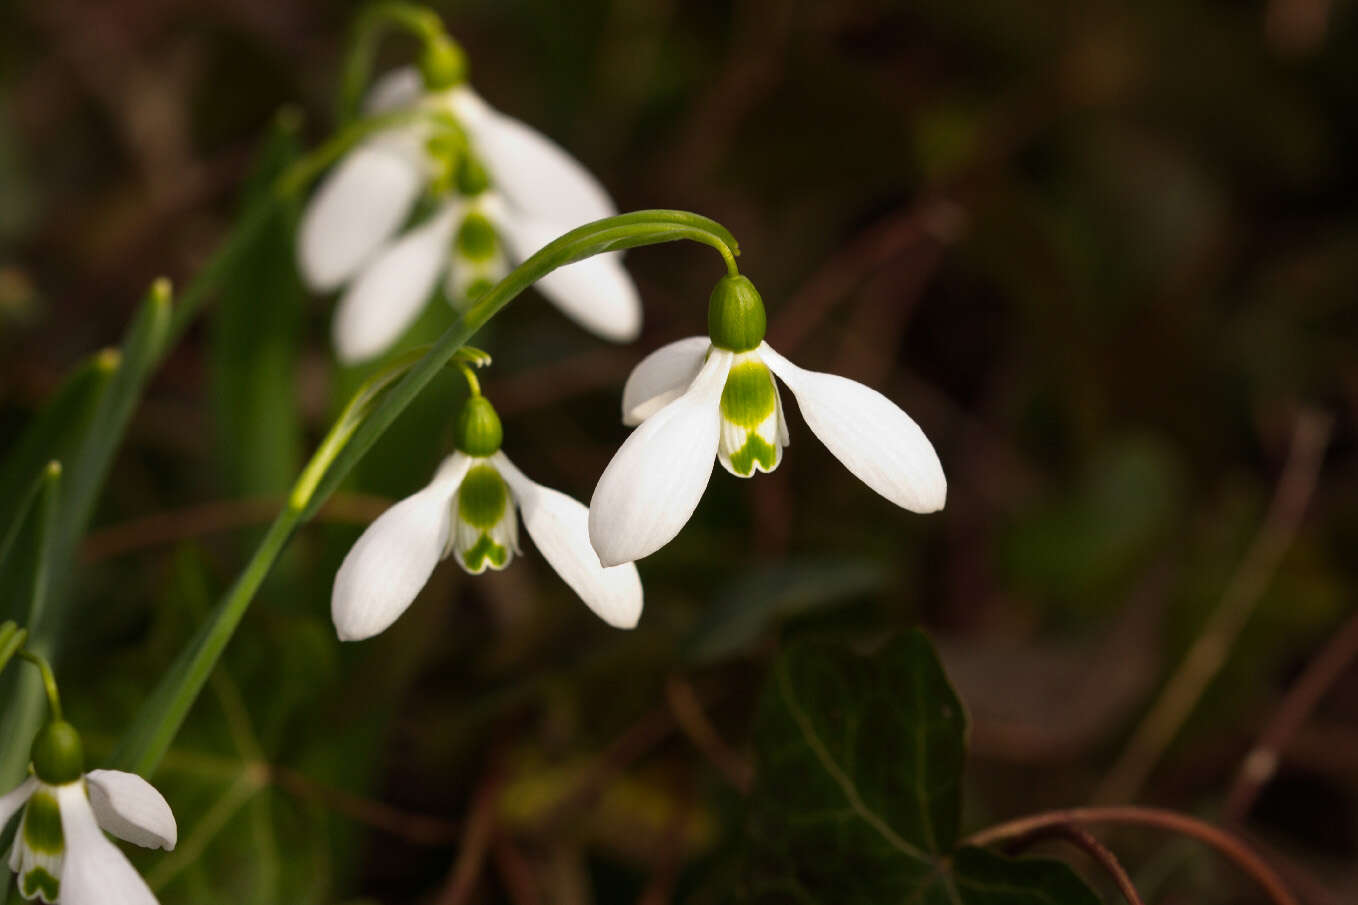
(11, 639)
(369, 30)
(49, 682)
(376, 405)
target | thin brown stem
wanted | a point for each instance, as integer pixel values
(1213, 647)
(1224, 843)
(515, 872)
(1297, 705)
(216, 517)
(1092, 847)
(693, 722)
(476, 843)
(417, 828)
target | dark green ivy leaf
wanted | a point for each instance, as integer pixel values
(859, 791)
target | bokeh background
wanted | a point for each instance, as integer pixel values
(1106, 254)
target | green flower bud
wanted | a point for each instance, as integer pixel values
(443, 64)
(478, 428)
(735, 315)
(58, 756)
(472, 178)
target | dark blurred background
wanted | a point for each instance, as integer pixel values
(1106, 254)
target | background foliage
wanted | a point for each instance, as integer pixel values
(1104, 254)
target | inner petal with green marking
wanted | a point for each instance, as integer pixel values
(485, 531)
(753, 432)
(478, 260)
(39, 847)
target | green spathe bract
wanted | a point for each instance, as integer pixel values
(735, 314)
(478, 428)
(58, 756)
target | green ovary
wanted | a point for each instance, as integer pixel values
(485, 551)
(482, 499)
(755, 450)
(42, 825)
(39, 881)
(749, 396)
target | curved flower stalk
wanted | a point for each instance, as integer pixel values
(500, 192)
(470, 511)
(60, 852)
(715, 396)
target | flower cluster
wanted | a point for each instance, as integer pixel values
(498, 191)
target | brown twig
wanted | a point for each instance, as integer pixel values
(1092, 847)
(641, 737)
(515, 871)
(1232, 848)
(1301, 699)
(476, 842)
(1211, 649)
(216, 517)
(693, 722)
(417, 828)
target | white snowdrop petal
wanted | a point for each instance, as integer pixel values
(559, 526)
(531, 170)
(390, 563)
(661, 377)
(867, 432)
(358, 206)
(131, 808)
(390, 292)
(650, 489)
(395, 89)
(597, 293)
(12, 801)
(95, 872)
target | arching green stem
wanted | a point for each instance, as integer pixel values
(372, 25)
(376, 405)
(49, 682)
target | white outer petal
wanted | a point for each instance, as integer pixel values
(559, 526)
(650, 489)
(395, 89)
(361, 203)
(94, 872)
(867, 432)
(661, 377)
(533, 171)
(393, 288)
(597, 293)
(12, 801)
(130, 808)
(390, 563)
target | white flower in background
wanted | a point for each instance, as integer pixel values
(496, 203)
(714, 396)
(60, 852)
(470, 511)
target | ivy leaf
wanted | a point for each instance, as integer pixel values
(859, 791)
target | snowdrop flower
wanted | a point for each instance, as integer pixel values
(470, 511)
(715, 396)
(60, 852)
(502, 190)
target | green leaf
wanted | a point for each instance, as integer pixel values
(55, 433)
(859, 792)
(255, 338)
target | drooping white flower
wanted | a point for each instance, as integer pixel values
(715, 397)
(60, 852)
(470, 511)
(529, 192)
